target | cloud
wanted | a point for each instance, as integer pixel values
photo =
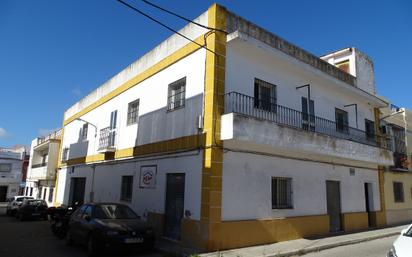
(77, 92)
(3, 133)
(44, 132)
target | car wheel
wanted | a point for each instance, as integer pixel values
(69, 239)
(92, 248)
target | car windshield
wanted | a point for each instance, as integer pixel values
(409, 232)
(113, 211)
(20, 199)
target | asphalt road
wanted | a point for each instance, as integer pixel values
(374, 248)
(34, 239)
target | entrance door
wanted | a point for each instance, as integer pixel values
(333, 205)
(3, 193)
(175, 196)
(77, 187)
(369, 204)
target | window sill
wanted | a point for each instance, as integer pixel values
(174, 109)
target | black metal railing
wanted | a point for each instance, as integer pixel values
(38, 165)
(247, 105)
(107, 138)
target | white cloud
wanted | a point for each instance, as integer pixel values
(44, 132)
(3, 133)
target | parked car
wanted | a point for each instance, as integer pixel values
(32, 208)
(108, 225)
(59, 219)
(402, 247)
(14, 203)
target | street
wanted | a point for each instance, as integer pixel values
(374, 248)
(34, 239)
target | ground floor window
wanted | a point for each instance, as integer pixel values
(398, 192)
(31, 191)
(127, 188)
(281, 193)
(51, 190)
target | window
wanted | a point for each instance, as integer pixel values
(308, 116)
(176, 94)
(265, 95)
(51, 191)
(44, 193)
(133, 112)
(370, 129)
(65, 154)
(342, 124)
(282, 193)
(344, 65)
(398, 192)
(83, 131)
(87, 212)
(31, 191)
(5, 167)
(127, 188)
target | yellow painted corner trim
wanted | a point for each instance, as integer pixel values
(172, 145)
(159, 66)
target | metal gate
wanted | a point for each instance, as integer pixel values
(334, 205)
(175, 196)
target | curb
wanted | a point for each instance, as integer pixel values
(330, 246)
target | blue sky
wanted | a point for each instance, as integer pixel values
(52, 53)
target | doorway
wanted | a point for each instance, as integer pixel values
(334, 205)
(369, 204)
(175, 196)
(3, 193)
(77, 188)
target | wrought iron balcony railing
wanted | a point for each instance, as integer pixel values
(107, 139)
(54, 135)
(268, 110)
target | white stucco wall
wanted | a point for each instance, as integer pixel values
(248, 59)
(155, 122)
(13, 178)
(107, 183)
(247, 186)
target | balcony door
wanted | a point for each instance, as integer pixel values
(265, 95)
(113, 124)
(342, 121)
(308, 115)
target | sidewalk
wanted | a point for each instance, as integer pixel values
(304, 246)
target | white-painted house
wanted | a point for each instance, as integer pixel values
(11, 165)
(41, 174)
(221, 148)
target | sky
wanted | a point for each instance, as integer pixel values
(54, 52)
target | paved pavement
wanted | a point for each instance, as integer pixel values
(34, 239)
(374, 248)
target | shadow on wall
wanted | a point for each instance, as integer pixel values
(78, 149)
(164, 124)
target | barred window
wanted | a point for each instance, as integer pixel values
(176, 94)
(282, 193)
(398, 192)
(133, 112)
(265, 95)
(127, 188)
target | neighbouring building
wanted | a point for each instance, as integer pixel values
(41, 176)
(11, 166)
(250, 141)
(396, 124)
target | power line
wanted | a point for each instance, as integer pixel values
(182, 17)
(167, 27)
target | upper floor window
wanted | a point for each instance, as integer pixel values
(65, 154)
(342, 121)
(370, 129)
(282, 193)
(83, 131)
(265, 95)
(344, 65)
(5, 167)
(176, 94)
(398, 192)
(133, 112)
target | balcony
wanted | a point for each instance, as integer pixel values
(55, 135)
(39, 172)
(39, 165)
(260, 125)
(107, 140)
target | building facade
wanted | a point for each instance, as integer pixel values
(41, 176)
(247, 140)
(396, 123)
(11, 166)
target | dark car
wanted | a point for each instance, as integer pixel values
(32, 208)
(108, 225)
